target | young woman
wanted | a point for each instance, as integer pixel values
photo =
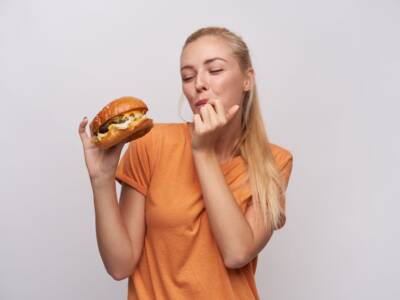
(199, 200)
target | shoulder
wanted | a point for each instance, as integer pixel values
(162, 138)
(164, 135)
(163, 130)
(170, 128)
(168, 131)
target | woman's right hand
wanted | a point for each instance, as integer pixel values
(101, 164)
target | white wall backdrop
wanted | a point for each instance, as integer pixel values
(328, 77)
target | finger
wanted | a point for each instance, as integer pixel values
(205, 115)
(198, 124)
(82, 127)
(120, 147)
(214, 121)
(117, 148)
(82, 131)
(231, 112)
(219, 108)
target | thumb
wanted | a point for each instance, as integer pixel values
(117, 148)
(231, 112)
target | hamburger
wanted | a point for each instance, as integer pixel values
(120, 121)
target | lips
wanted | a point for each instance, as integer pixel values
(201, 102)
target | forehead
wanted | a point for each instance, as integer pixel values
(204, 48)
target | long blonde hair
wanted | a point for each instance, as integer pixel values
(253, 144)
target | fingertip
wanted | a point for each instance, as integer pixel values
(233, 108)
(84, 121)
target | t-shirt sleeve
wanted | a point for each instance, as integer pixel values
(137, 163)
(284, 161)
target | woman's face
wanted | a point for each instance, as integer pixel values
(209, 70)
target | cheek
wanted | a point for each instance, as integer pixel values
(229, 89)
(187, 91)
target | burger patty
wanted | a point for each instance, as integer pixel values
(117, 120)
(120, 119)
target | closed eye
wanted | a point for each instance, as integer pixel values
(215, 71)
(212, 72)
(187, 79)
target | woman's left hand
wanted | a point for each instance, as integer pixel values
(209, 123)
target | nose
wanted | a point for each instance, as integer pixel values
(201, 82)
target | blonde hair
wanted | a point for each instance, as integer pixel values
(253, 144)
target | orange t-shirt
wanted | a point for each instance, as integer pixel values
(180, 258)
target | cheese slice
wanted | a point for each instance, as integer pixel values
(137, 115)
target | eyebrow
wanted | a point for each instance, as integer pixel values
(205, 62)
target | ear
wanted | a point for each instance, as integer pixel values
(248, 82)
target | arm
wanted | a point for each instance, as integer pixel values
(239, 237)
(119, 247)
(261, 233)
(119, 230)
(230, 228)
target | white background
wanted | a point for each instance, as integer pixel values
(328, 77)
